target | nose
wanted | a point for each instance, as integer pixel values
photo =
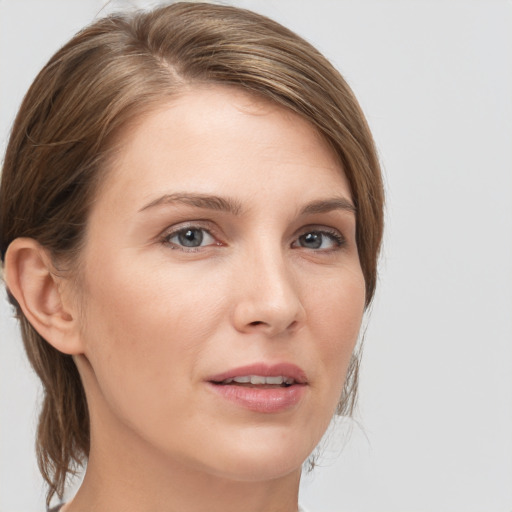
(268, 297)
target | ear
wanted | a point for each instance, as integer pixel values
(34, 282)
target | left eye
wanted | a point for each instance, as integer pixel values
(190, 238)
(319, 240)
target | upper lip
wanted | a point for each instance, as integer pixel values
(287, 370)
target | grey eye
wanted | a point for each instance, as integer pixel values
(323, 240)
(311, 240)
(191, 237)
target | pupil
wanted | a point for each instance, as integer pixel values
(312, 240)
(191, 238)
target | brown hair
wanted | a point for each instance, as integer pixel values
(112, 72)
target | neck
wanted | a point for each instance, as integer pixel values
(179, 490)
(125, 474)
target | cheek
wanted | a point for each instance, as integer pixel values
(143, 333)
(142, 304)
(335, 328)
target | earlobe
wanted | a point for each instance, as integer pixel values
(32, 279)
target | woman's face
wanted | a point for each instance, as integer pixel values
(221, 288)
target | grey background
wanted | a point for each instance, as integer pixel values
(434, 428)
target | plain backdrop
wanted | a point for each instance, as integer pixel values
(433, 432)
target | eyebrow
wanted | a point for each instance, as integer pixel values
(206, 201)
(329, 205)
(232, 206)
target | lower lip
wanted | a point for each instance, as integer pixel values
(265, 400)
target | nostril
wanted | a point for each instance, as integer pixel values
(258, 323)
(293, 325)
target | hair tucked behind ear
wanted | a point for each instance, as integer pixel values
(107, 76)
(63, 429)
(62, 433)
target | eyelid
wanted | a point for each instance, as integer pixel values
(335, 234)
(200, 225)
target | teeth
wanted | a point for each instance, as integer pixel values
(259, 379)
(243, 380)
(275, 380)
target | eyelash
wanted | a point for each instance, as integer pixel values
(168, 235)
(334, 235)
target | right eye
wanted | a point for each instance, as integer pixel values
(189, 238)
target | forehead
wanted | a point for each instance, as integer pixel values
(222, 137)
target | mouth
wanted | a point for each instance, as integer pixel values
(259, 381)
(261, 388)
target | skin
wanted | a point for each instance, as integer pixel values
(153, 319)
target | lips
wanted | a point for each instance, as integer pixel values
(260, 380)
(287, 371)
(261, 387)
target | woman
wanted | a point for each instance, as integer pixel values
(190, 220)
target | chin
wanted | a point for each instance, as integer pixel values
(261, 469)
(260, 455)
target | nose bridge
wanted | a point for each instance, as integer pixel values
(269, 296)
